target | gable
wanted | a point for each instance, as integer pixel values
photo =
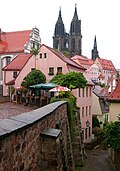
(64, 58)
(17, 63)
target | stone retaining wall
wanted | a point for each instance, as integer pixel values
(23, 146)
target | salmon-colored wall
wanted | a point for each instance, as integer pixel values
(50, 61)
(85, 101)
(43, 65)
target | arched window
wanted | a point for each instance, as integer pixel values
(73, 45)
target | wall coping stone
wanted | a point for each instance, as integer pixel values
(51, 132)
(14, 123)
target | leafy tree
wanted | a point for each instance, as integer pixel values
(71, 80)
(112, 135)
(35, 52)
(58, 79)
(95, 122)
(68, 54)
(34, 77)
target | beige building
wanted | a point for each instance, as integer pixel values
(100, 107)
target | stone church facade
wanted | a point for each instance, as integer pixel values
(72, 41)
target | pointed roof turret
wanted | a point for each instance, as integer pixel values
(75, 27)
(95, 53)
(59, 16)
(95, 43)
(59, 27)
(75, 17)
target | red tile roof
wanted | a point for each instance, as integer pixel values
(83, 60)
(115, 95)
(17, 63)
(101, 76)
(107, 64)
(64, 58)
(12, 42)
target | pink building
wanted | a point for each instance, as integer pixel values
(14, 43)
(108, 72)
(50, 62)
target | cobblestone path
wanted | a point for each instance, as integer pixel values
(8, 109)
(97, 160)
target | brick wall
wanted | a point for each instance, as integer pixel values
(22, 142)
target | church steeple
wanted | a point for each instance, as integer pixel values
(60, 36)
(75, 38)
(71, 41)
(95, 53)
(75, 17)
(75, 27)
(59, 27)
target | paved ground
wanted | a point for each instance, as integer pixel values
(8, 109)
(97, 160)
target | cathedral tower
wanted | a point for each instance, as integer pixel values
(75, 37)
(60, 39)
(95, 53)
(71, 42)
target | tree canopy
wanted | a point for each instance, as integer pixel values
(112, 135)
(71, 80)
(34, 77)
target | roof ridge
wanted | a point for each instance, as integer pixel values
(15, 31)
(60, 53)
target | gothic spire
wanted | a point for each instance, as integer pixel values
(59, 27)
(75, 17)
(59, 16)
(95, 43)
(95, 53)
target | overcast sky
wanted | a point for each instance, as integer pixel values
(98, 17)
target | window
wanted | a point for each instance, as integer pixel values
(8, 59)
(82, 111)
(32, 69)
(33, 45)
(89, 132)
(59, 70)
(85, 133)
(40, 55)
(14, 74)
(86, 110)
(90, 91)
(51, 71)
(79, 91)
(89, 110)
(86, 91)
(83, 92)
(45, 55)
